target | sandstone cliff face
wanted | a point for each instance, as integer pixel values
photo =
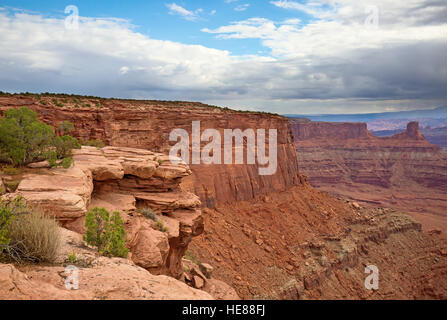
(403, 171)
(99, 278)
(147, 125)
(122, 179)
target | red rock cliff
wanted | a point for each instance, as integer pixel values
(147, 125)
(403, 171)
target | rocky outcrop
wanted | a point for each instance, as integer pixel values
(123, 179)
(147, 125)
(99, 278)
(403, 171)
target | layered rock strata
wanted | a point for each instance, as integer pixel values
(148, 124)
(122, 179)
(403, 171)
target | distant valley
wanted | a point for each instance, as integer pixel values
(432, 122)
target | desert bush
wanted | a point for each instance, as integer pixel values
(65, 127)
(64, 145)
(11, 186)
(93, 143)
(25, 139)
(148, 213)
(161, 227)
(106, 232)
(28, 234)
(6, 217)
(11, 171)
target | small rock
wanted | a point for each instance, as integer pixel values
(198, 282)
(289, 267)
(356, 205)
(39, 165)
(195, 271)
(259, 242)
(434, 231)
(206, 269)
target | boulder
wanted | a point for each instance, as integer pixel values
(198, 282)
(150, 250)
(136, 162)
(93, 159)
(63, 193)
(169, 201)
(220, 290)
(206, 269)
(105, 279)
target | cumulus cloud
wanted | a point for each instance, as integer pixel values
(334, 63)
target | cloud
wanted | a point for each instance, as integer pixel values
(332, 64)
(242, 7)
(175, 9)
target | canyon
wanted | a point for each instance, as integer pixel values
(403, 171)
(268, 237)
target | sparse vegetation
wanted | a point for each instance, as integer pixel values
(93, 143)
(64, 145)
(161, 226)
(26, 234)
(11, 171)
(72, 258)
(148, 213)
(24, 139)
(106, 232)
(191, 256)
(11, 186)
(66, 127)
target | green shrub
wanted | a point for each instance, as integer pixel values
(30, 235)
(66, 162)
(72, 258)
(23, 138)
(64, 145)
(106, 232)
(93, 143)
(65, 127)
(11, 171)
(11, 186)
(148, 213)
(161, 226)
(6, 217)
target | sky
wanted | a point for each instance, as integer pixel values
(287, 57)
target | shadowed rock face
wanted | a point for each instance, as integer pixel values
(402, 171)
(147, 125)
